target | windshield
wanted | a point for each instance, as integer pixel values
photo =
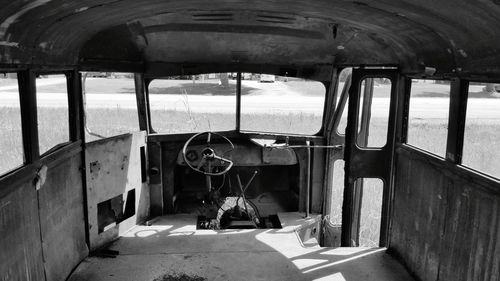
(193, 103)
(207, 102)
(281, 104)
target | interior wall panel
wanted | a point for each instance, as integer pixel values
(113, 167)
(20, 245)
(445, 223)
(61, 216)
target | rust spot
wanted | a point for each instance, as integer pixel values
(95, 167)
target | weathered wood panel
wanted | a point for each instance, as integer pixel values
(418, 217)
(20, 246)
(61, 216)
(472, 239)
(42, 233)
(445, 223)
(113, 167)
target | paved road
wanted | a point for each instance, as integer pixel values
(275, 98)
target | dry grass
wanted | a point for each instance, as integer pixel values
(109, 122)
(430, 135)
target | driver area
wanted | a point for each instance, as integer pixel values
(235, 184)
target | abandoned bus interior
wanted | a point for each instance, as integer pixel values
(249, 140)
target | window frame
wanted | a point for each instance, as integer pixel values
(152, 130)
(23, 146)
(320, 131)
(237, 127)
(360, 112)
(26, 80)
(71, 125)
(137, 108)
(406, 121)
(464, 99)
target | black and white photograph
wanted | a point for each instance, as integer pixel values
(259, 140)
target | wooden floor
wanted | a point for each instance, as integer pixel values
(172, 249)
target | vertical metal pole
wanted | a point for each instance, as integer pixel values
(76, 100)
(140, 96)
(349, 223)
(72, 82)
(238, 101)
(456, 120)
(27, 95)
(148, 107)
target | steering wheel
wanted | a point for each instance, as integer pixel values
(208, 156)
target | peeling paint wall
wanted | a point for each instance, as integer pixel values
(113, 167)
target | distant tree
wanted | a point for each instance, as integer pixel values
(224, 81)
(489, 88)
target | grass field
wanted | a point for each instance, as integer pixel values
(109, 122)
(429, 134)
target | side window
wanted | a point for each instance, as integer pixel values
(428, 115)
(482, 129)
(110, 104)
(373, 119)
(52, 111)
(11, 138)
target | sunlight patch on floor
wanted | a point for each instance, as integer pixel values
(374, 251)
(146, 231)
(305, 263)
(332, 277)
(345, 251)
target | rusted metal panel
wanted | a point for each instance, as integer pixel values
(445, 224)
(21, 249)
(113, 167)
(62, 216)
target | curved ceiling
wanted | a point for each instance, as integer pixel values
(453, 36)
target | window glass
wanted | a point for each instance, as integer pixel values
(52, 111)
(482, 129)
(337, 192)
(194, 103)
(371, 211)
(281, 104)
(11, 138)
(377, 113)
(428, 115)
(110, 104)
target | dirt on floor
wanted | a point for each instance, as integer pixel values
(180, 277)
